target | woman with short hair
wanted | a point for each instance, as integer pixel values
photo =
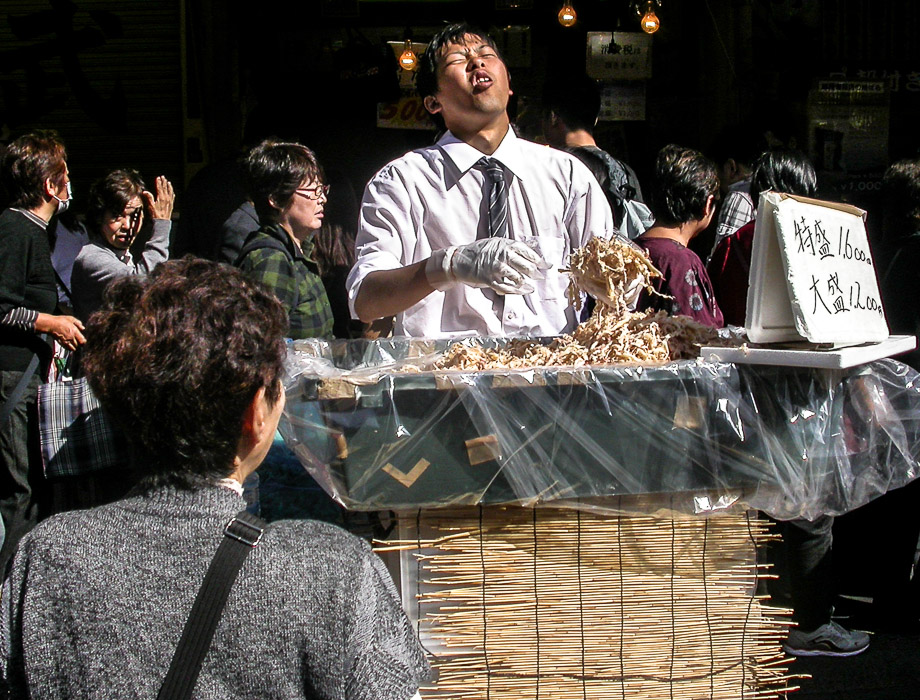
(684, 195)
(188, 362)
(35, 186)
(114, 217)
(287, 188)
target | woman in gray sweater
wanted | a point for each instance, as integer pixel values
(189, 362)
(115, 216)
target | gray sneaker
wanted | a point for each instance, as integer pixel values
(828, 640)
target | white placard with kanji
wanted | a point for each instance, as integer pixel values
(812, 274)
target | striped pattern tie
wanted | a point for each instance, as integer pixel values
(498, 196)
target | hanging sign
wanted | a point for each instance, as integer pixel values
(406, 113)
(619, 55)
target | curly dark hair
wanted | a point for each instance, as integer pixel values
(684, 179)
(274, 169)
(112, 194)
(175, 359)
(26, 163)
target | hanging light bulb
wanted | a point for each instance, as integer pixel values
(567, 15)
(649, 21)
(407, 59)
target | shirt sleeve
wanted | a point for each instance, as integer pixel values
(157, 248)
(386, 230)
(388, 660)
(17, 251)
(21, 319)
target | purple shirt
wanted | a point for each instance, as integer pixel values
(684, 278)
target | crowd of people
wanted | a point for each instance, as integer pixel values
(466, 236)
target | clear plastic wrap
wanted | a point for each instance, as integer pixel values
(380, 430)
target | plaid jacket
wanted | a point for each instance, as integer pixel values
(294, 279)
(736, 211)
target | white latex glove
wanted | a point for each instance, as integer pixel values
(508, 267)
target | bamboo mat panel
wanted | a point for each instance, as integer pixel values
(562, 604)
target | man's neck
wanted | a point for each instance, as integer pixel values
(682, 233)
(45, 210)
(579, 137)
(486, 139)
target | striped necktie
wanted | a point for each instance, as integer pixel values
(498, 196)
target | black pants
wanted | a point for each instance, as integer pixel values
(803, 563)
(23, 491)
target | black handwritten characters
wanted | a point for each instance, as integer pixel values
(829, 294)
(832, 283)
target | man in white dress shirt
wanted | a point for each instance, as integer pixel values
(424, 249)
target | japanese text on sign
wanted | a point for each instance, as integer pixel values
(830, 295)
(832, 282)
(619, 56)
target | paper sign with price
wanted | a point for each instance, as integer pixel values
(812, 276)
(407, 113)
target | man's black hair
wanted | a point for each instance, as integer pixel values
(576, 101)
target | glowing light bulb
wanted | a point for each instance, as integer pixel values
(649, 21)
(567, 15)
(407, 59)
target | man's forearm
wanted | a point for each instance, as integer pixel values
(389, 292)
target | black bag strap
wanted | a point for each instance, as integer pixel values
(18, 391)
(242, 533)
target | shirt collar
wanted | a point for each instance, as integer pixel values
(465, 156)
(278, 232)
(33, 217)
(231, 484)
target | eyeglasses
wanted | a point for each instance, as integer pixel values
(315, 192)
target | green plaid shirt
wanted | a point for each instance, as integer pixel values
(295, 281)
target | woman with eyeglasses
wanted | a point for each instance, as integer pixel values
(114, 217)
(286, 186)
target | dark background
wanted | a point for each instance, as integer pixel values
(167, 86)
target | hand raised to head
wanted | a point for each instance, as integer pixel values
(161, 207)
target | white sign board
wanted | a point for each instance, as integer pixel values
(812, 276)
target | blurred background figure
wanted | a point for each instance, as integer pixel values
(35, 187)
(570, 111)
(900, 275)
(334, 249)
(734, 151)
(287, 188)
(115, 219)
(784, 170)
(684, 197)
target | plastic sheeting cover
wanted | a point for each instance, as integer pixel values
(380, 430)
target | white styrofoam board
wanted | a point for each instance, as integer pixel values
(832, 358)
